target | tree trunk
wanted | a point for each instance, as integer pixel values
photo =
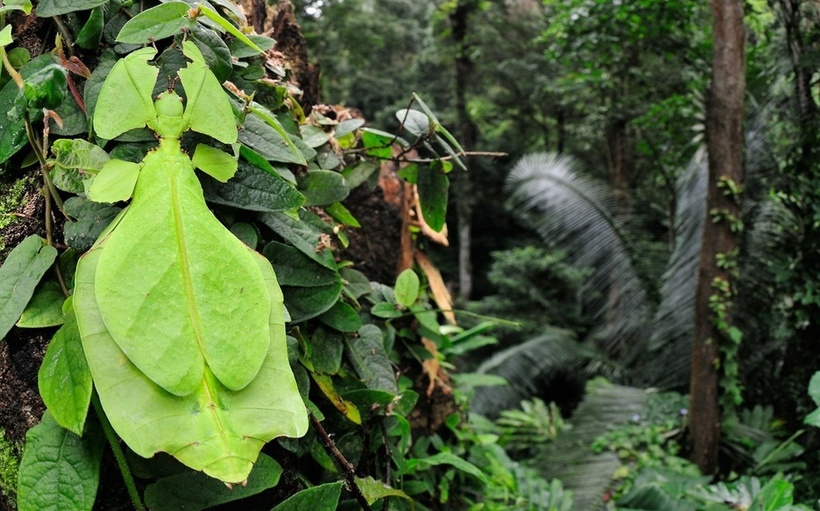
(725, 145)
(467, 133)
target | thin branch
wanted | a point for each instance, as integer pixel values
(347, 467)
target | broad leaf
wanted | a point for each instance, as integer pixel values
(156, 23)
(45, 308)
(115, 182)
(194, 491)
(433, 192)
(342, 317)
(326, 353)
(366, 353)
(263, 133)
(324, 497)
(19, 276)
(64, 379)
(217, 164)
(407, 288)
(253, 189)
(51, 8)
(322, 187)
(302, 234)
(162, 294)
(91, 219)
(293, 268)
(125, 100)
(374, 490)
(304, 303)
(213, 429)
(77, 160)
(59, 470)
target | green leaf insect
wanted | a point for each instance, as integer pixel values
(182, 324)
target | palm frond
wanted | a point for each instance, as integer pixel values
(667, 360)
(576, 214)
(525, 367)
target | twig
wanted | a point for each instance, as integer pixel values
(349, 469)
(122, 463)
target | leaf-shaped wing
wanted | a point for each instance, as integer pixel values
(176, 289)
(213, 429)
(125, 100)
(208, 110)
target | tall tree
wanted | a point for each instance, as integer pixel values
(724, 132)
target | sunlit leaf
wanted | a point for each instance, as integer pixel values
(125, 100)
(156, 23)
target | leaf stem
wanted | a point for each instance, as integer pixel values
(113, 441)
(18, 79)
(349, 470)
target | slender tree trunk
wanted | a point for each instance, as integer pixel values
(725, 144)
(467, 133)
(560, 120)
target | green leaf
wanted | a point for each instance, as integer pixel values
(247, 233)
(346, 127)
(19, 5)
(194, 491)
(433, 192)
(217, 164)
(59, 470)
(357, 174)
(322, 187)
(208, 109)
(19, 276)
(253, 189)
(214, 50)
(386, 310)
(45, 308)
(414, 121)
(156, 23)
(91, 219)
(263, 133)
(50, 8)
(115, 182)
(293, 268)
(356, 283)
(407, 288)
(91, 91)
(125, 102)
(64, 379)
(374, 490)
(342, 317)
(366, 353)
(324, 497)
(47, 88)
(342, 214)
(326, 353)
(377, 144)
(5, 35)
(162, 301)
(228, 27)
(814, 388)
(213, 429)
(303, 235)
(447, 458)
(313, 136)
(777, 494)
(241, 50)
(305, 303)
(90, 35)
(77, 160)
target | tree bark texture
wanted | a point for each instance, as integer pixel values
(725, 145)
(468, 133)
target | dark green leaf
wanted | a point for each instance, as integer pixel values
(19, 276)
(91, 91)
(324, 497)
(253, 189)
(322, 187)
(385, 310)
(247, 233)
(433, 187)
(356, 283)
(342, 214)
(13, 127)
(73, 117)
(326, 352)
(293, 268)
(59, 470)
(156, 23)
(194, 491)
(76, 160)
(50, 8)
(407, 288)
(366, 353)
(313, 136)
(241, 50)
(369, 401)
(213, 48)
(302, 234)
(64, 378)
(91, 219)
(91, 34)
(272, 143)
(45, 308)
(342, 317)
(359, 173)
(46, 88)
(308, 302)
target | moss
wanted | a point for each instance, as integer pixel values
(9, 462)
(11, 197)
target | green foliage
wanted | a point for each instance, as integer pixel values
(9, 463)
(19, 276)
